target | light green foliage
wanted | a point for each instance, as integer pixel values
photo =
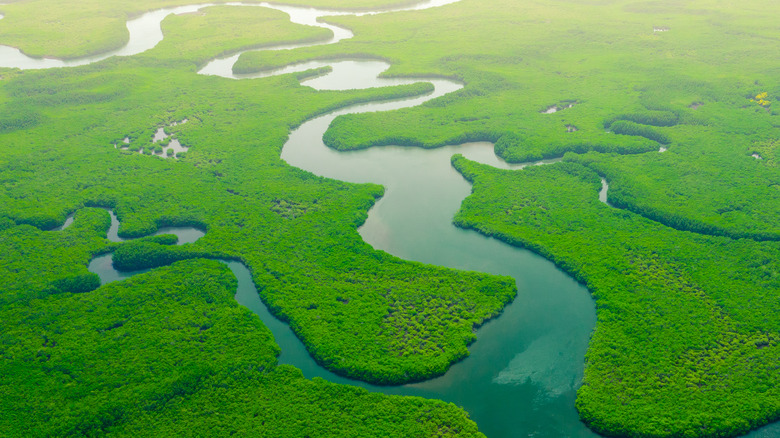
(696, 195)
(707, 182)
(396, 321)
(625, 127)
(686, 342)
(516, 59)
(73, 29)
(767, 151)
(520, 59)
(220, 30)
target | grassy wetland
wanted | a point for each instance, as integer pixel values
(673, 104)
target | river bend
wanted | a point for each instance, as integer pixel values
(523, 372)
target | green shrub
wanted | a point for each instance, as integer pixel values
(625, 127)
(76, 284)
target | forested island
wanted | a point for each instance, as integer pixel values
(453, 218)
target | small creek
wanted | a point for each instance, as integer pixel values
(102, 265)
(523, 372)
(145, 33)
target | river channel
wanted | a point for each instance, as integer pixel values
(523, 372)
(521, 377)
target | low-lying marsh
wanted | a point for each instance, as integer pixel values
(684, 268)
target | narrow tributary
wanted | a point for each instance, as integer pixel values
(521, 377)
(523, 372)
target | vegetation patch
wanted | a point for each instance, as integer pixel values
(683, 323)
(156, 355)
(684, 271)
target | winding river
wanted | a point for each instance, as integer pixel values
(145, 33)
(523, 372)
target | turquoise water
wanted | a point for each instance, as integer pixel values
(521, 377)
(523, 372)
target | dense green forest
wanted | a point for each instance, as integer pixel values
(686, 342)
(232, 183)
(673, 103)
(170, 353)
(516, 65)
(295, 231)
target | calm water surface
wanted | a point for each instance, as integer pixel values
(523, 372)
(525, 367)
